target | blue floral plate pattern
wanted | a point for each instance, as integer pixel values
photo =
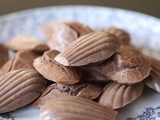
(144, 31)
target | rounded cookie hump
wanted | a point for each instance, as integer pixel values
(19, 88)
(22, 59)
(54, 71)
(91, 48)
(128, 66)
(123, 36)
(61, 33)
(27, 42)
(75, 108)
(117, 95)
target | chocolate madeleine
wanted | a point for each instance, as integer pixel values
(27, 42)
(128, 66)
(61, 33)
(123, 36)
(22, 59)
(84, 90)
(117, 95)
(54, 71)
(75, 108)
(91, 48)
(19, 88)
(153, 80)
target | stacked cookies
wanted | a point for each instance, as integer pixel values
(20, 83)
(77, 74)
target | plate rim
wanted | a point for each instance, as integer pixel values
(17, 14)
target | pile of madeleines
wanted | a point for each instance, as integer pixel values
(77, 74)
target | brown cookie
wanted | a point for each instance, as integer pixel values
(21, 59)
(91, 48)
(54, 71)
(123, 36)
(84, 90)
(19, 88)
(128, 66)
(153, 80)
(117, 95)
(27, 42)
(61, 33)
(75, 108)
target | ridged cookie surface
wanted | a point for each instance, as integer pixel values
(117, 95)
(18, 88)
(91, 48)
(75, 108)
(123, 36)
(153, 80)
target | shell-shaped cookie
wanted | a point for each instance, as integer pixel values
(123, 36)
(19, 88)
(4, 56)
(84, 90)
(153, 80)
(75, 108)
(91, 48)
(61, 33)
(22, 59)
(27, 42)
(128, 66)
(54, 71)
(119, 95)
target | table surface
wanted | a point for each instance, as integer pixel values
(149, 7)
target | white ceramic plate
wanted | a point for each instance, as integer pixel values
(144, 31)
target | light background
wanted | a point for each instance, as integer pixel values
(150, 7)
